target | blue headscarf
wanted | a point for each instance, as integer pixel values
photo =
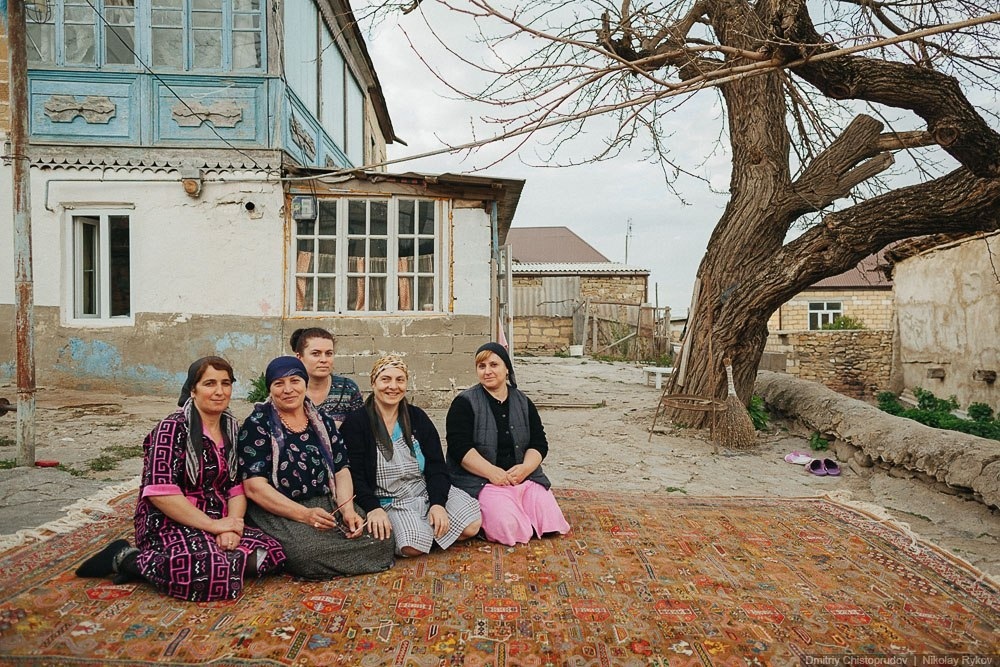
(282, 367)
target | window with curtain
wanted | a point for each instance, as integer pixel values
(101, 267)
(388, 260)
(182, 35)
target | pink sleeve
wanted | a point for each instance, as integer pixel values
(162, 490)
(236, 491)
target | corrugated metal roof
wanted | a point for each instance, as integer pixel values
(576, 268)
(550, 244)
(869, 273)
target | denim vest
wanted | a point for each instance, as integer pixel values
(484, 434)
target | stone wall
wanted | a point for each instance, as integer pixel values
(874, 307)
(542, 335)
(864, 437)
(854, 363)
(629, 289)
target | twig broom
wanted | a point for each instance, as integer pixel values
(736, 429)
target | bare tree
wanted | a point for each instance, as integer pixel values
(795, 77)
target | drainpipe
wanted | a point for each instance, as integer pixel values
(24, 301)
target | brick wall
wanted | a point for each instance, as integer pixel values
(853, 363)
(873, 307)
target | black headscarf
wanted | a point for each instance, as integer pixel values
(500, 351)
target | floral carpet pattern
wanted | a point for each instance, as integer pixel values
(640, 580)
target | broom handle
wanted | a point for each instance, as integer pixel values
(727, 362)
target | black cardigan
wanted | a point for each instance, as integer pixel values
(362, 454)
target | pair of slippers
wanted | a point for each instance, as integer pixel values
(818, 467)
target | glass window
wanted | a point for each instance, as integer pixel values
(302, 52)
(211, 35)
(388, 261)
(101, 266)
(824, 312)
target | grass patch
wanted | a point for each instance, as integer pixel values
(124, 451)
(102, 463)
(71, 470)
(671, 489)
(7, 464)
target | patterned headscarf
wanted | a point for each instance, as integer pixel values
(383, 438)
(388, 361)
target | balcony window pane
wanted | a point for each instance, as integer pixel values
(427, 217)
(356, 217)
(167, 18)
(328, 218)
(246, 50)
(304, 256)
(425, 291)
(41, 43)
(79, 46)
(304, 227)
(119, 43)
(207, 4)
(207, 49)
(168, 48)
(206, 19)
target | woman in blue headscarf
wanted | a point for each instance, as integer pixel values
(296, 476)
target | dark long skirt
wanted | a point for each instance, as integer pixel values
(323, 554)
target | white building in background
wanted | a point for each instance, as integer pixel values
(183, 201)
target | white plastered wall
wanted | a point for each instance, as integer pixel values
(472, 242)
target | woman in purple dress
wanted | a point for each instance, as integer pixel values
(192, 543)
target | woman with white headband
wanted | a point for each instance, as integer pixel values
(400, 475)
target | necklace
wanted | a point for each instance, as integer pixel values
(294, 429)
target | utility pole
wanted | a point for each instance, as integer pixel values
(24, 299)
(628, 236)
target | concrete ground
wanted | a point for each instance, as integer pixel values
(597, 417)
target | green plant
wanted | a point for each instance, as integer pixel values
(887, 402)
(843, 322)
(258, 389)
(926, 400)
(758, 412)
(70, 469)
(817, 442)
(980, 412)
(7, 464)
(124, 451)
(938, 413)
(102, 463)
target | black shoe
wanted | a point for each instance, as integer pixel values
(101, 564)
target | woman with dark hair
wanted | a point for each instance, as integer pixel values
(333, 395)
(399, 471)
(296, 476)
(496, 443)
(192, 543)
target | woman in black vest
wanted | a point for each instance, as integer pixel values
(496, 443)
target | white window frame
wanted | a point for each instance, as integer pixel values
(821, 313)
(75, 221)
(344, 273)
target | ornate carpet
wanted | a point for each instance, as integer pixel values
(641, 580)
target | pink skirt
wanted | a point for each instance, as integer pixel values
(511, 514)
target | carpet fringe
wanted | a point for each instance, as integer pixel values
(83, 511)
(882, 515)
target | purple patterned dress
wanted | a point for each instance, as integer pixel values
(179, 560)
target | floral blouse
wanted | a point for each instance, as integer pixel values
(301, 471)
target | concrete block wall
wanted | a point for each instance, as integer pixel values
(875, 308)
(853, 363)
(152, 356)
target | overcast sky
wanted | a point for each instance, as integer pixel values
(596, 201)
